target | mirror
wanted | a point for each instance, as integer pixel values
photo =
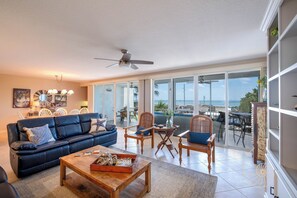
(43, 98)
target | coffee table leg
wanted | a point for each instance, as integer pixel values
(115, 194)
(62, 173)
(148, 178)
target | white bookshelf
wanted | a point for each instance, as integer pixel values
(282, 117)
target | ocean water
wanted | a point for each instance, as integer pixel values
(218, 103)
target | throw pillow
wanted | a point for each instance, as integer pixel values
(23, 145)
(98, 125)
(138, 132)
(39, 135)
(198, 138)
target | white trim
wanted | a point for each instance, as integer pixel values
(270, 14)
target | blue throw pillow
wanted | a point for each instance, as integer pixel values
(198, 138)
(138, 132)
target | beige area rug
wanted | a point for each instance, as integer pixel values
(168, 180)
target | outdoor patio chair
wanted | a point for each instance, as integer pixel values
(199, 138)
(145, 130)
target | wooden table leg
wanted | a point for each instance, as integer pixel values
(115, 194)
(148, 178)
(62, 172)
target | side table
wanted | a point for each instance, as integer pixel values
(165, 134)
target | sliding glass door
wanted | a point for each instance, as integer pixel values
(183, 102)
(104, 101)
(211, 99)
(243, 89)
(162, 99)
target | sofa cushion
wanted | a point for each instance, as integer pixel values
(68, 126)
(36, 122)
(85, 120)
(8, 191)
(98, 125)
(44, 147)
(39, 135)
(3, 176)
(23, 145)
(100, 133)
(77, 138)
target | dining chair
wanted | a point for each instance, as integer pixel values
(74, 112)
(45, 112)
(61, 111)
(199, 138)
(145, 130)
(83, 110)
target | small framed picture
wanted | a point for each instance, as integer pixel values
(21, 98)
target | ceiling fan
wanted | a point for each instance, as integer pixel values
(126, 61)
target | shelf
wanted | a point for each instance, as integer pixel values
(292, 173)
(273, 77)
(274, 109)
(273, 61)
(288, 45)
(272, 39)
(275, 133)
(289, 112)
(292, 68)
(274, 146)
(288, 12)
(290, 29)
(288, 83)
(273, 123)
(273, 93)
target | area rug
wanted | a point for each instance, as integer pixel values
(168, 180)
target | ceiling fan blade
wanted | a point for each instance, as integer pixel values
(134, 67)
(126, 57)
(141, 62)
(115, 64)
(106, 59)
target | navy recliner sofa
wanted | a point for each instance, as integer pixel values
(71, 133)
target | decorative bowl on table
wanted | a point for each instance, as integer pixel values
(160, 126)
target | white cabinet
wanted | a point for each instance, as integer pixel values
(282, 117)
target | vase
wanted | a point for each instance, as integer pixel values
(169, 122)
(264, 95)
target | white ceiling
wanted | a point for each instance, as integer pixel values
(46, 37)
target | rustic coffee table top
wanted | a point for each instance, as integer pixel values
(110, 181)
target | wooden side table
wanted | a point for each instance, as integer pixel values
(165, 134)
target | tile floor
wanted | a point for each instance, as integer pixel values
(237, 175)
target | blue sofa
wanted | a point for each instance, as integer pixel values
(71, 133)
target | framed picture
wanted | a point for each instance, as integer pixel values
(21, 98)
(60, 100)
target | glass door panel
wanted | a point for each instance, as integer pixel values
(121, 104)
(133, 103)
(183, 102)
(242, 89)
(103, 101)
(161, 101)
(211, 99)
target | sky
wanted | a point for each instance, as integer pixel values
(238, 87)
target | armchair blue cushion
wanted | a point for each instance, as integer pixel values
(198, 138)
(138, 132)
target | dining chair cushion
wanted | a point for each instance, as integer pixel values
(97, 125)
(23, 145)
(138, 132)
(39, 135)
(198, 138)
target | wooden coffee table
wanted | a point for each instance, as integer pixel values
(87, 183)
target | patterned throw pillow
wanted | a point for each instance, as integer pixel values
(39, 135)
(98, 125)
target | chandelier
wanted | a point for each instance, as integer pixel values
(63, 91)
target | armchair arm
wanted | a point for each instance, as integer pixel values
(143, 130)
(211, 138)
(183, 133)
(128, 127)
